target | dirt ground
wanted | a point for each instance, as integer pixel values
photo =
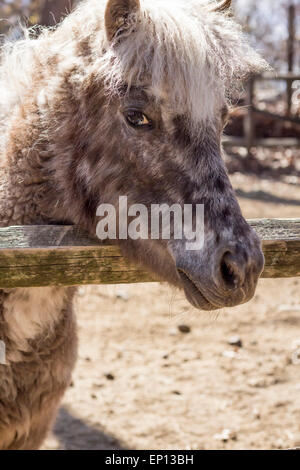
(140, 383)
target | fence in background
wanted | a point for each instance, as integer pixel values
(249, 140)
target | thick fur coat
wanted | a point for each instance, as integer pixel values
(64, 149)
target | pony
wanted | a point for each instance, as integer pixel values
(124, 97)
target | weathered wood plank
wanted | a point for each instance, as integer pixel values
(64, 256)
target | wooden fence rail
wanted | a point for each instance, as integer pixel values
(270, 142)
(34, 256)
(249, 140)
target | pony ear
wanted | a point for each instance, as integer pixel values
(116, 15)
(223, 6)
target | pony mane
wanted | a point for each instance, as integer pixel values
(199, 58)
(195, 57)
(17, 68)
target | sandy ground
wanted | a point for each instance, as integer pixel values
(140, 383)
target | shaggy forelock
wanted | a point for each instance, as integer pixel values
(188, 56)
(194, 57)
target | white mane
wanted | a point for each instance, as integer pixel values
(195, 57)
(198, 57)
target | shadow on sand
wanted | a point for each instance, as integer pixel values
(75, 434)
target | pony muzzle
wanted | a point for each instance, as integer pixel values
(225, 278)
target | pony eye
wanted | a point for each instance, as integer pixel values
(137, 119)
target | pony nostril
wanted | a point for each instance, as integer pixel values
(230, 272)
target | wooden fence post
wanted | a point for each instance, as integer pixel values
(290, 55)
(249, 126)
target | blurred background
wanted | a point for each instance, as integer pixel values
(153, 373)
